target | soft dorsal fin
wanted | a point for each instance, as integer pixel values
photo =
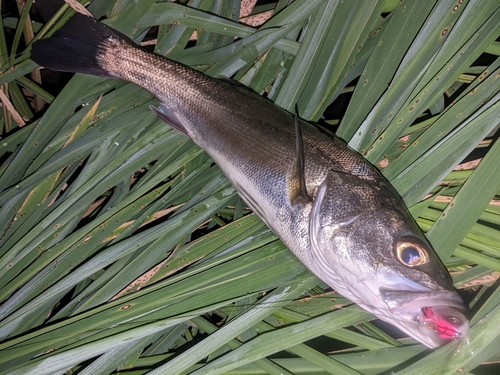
(298, 194)
(166, 114)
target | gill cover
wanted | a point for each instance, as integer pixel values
(331, 212)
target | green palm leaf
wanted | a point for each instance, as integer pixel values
(125, 250)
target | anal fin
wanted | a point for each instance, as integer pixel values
(166, 114)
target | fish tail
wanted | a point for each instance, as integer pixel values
(81, 46)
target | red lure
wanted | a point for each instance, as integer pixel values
(446, 328)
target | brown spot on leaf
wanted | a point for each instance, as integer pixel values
(383, 163)
(406, 138)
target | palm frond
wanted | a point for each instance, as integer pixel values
(124, 249)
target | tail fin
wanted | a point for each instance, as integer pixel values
(47, 8)
(76, 46)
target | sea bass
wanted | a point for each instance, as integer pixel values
(328, 205)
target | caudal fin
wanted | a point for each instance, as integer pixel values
(76, 47)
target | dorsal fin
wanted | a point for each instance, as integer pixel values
(166, 114)
(298, 194)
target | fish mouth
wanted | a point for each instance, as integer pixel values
(433, 317)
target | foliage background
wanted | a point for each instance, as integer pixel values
(123, 248)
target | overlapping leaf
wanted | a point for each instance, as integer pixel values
(124, 249)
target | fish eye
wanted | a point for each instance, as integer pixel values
(411, 254)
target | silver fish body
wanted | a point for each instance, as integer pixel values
(329, 206)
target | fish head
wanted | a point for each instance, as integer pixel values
(372, 252)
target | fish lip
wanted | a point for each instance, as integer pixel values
(412, 312)
(410, 302)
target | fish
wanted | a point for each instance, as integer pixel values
(333, 209)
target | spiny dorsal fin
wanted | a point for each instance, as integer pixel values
(298, 194)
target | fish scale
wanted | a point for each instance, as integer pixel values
(330, 207)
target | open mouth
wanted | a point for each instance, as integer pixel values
(435, 317)
(447, 322)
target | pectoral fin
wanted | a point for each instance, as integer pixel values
(166, 114)
(298, 191)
